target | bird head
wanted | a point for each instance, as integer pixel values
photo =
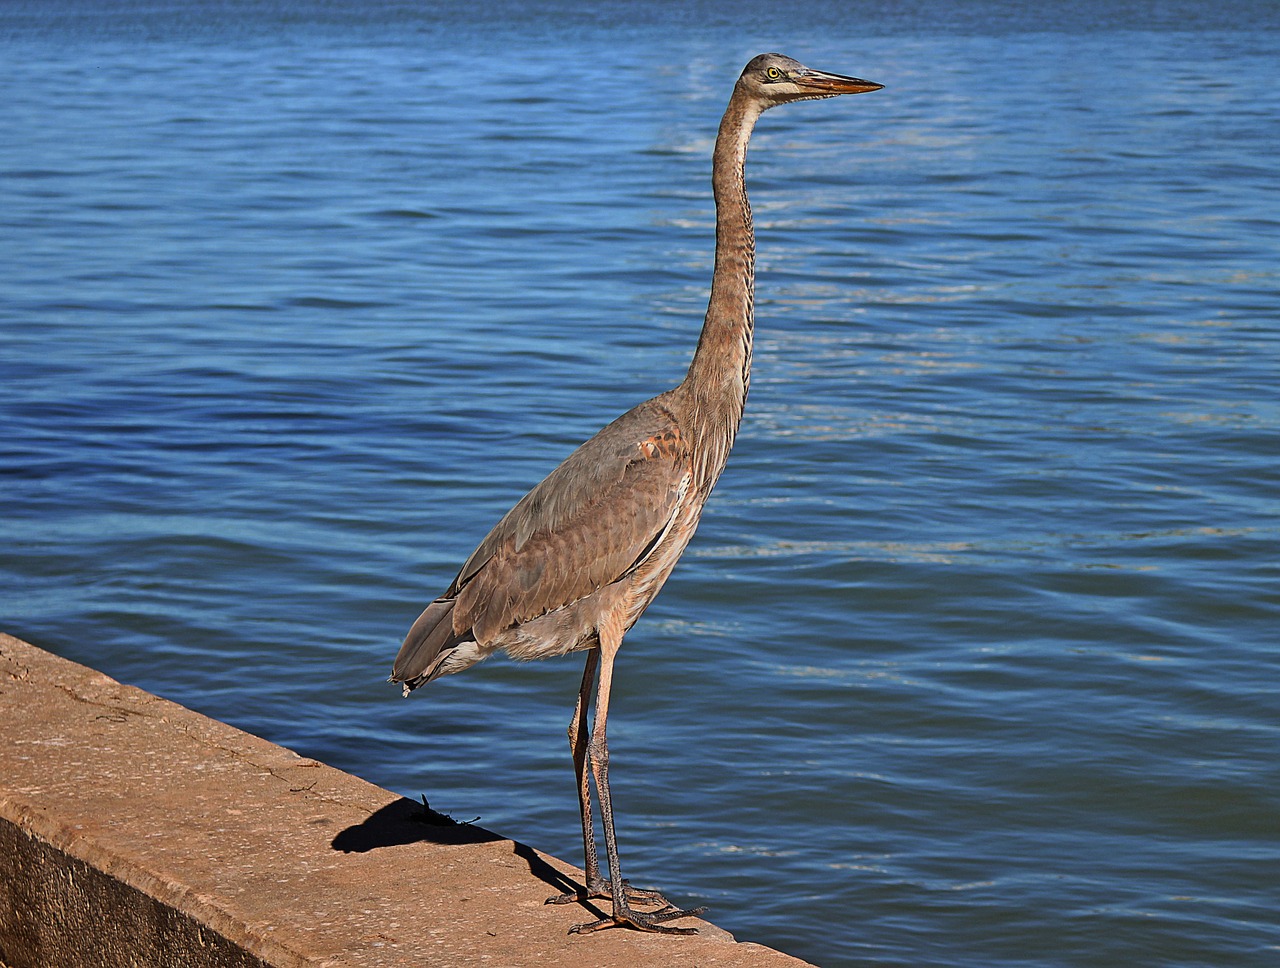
(778, 79)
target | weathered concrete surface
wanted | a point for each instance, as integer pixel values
(134, 831)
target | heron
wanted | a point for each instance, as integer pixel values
(579, 558)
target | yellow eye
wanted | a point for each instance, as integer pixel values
(773, 73)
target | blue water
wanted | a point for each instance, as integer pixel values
(974, 659)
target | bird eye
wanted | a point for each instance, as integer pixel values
(773, 73)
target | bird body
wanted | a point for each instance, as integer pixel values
(596, 538)
(579, 558)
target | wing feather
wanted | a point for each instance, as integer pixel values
(585, 526)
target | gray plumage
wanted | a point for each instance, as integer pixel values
(578, 559)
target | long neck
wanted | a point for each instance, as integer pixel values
(719, 375)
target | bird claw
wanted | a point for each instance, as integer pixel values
(624, 915)
(604, 889)
(651, 921)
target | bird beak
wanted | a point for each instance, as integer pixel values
(822, 83)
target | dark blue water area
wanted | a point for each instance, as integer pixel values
(973, 661)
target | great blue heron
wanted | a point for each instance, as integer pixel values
(574, 564)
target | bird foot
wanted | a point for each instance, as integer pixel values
(604, 889)
(651, 921)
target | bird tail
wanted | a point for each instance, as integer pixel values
(428, 644)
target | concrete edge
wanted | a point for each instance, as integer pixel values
(134, 831)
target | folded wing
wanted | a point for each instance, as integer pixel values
(590, 523)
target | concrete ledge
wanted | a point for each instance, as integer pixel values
(134, 831)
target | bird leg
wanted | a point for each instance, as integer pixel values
(596, 886)
(598, 754)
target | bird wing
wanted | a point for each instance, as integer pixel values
(589, 523)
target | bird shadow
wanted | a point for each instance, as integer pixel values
(406, 821)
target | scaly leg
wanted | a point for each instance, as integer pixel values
(598, 754)
(596, 886)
